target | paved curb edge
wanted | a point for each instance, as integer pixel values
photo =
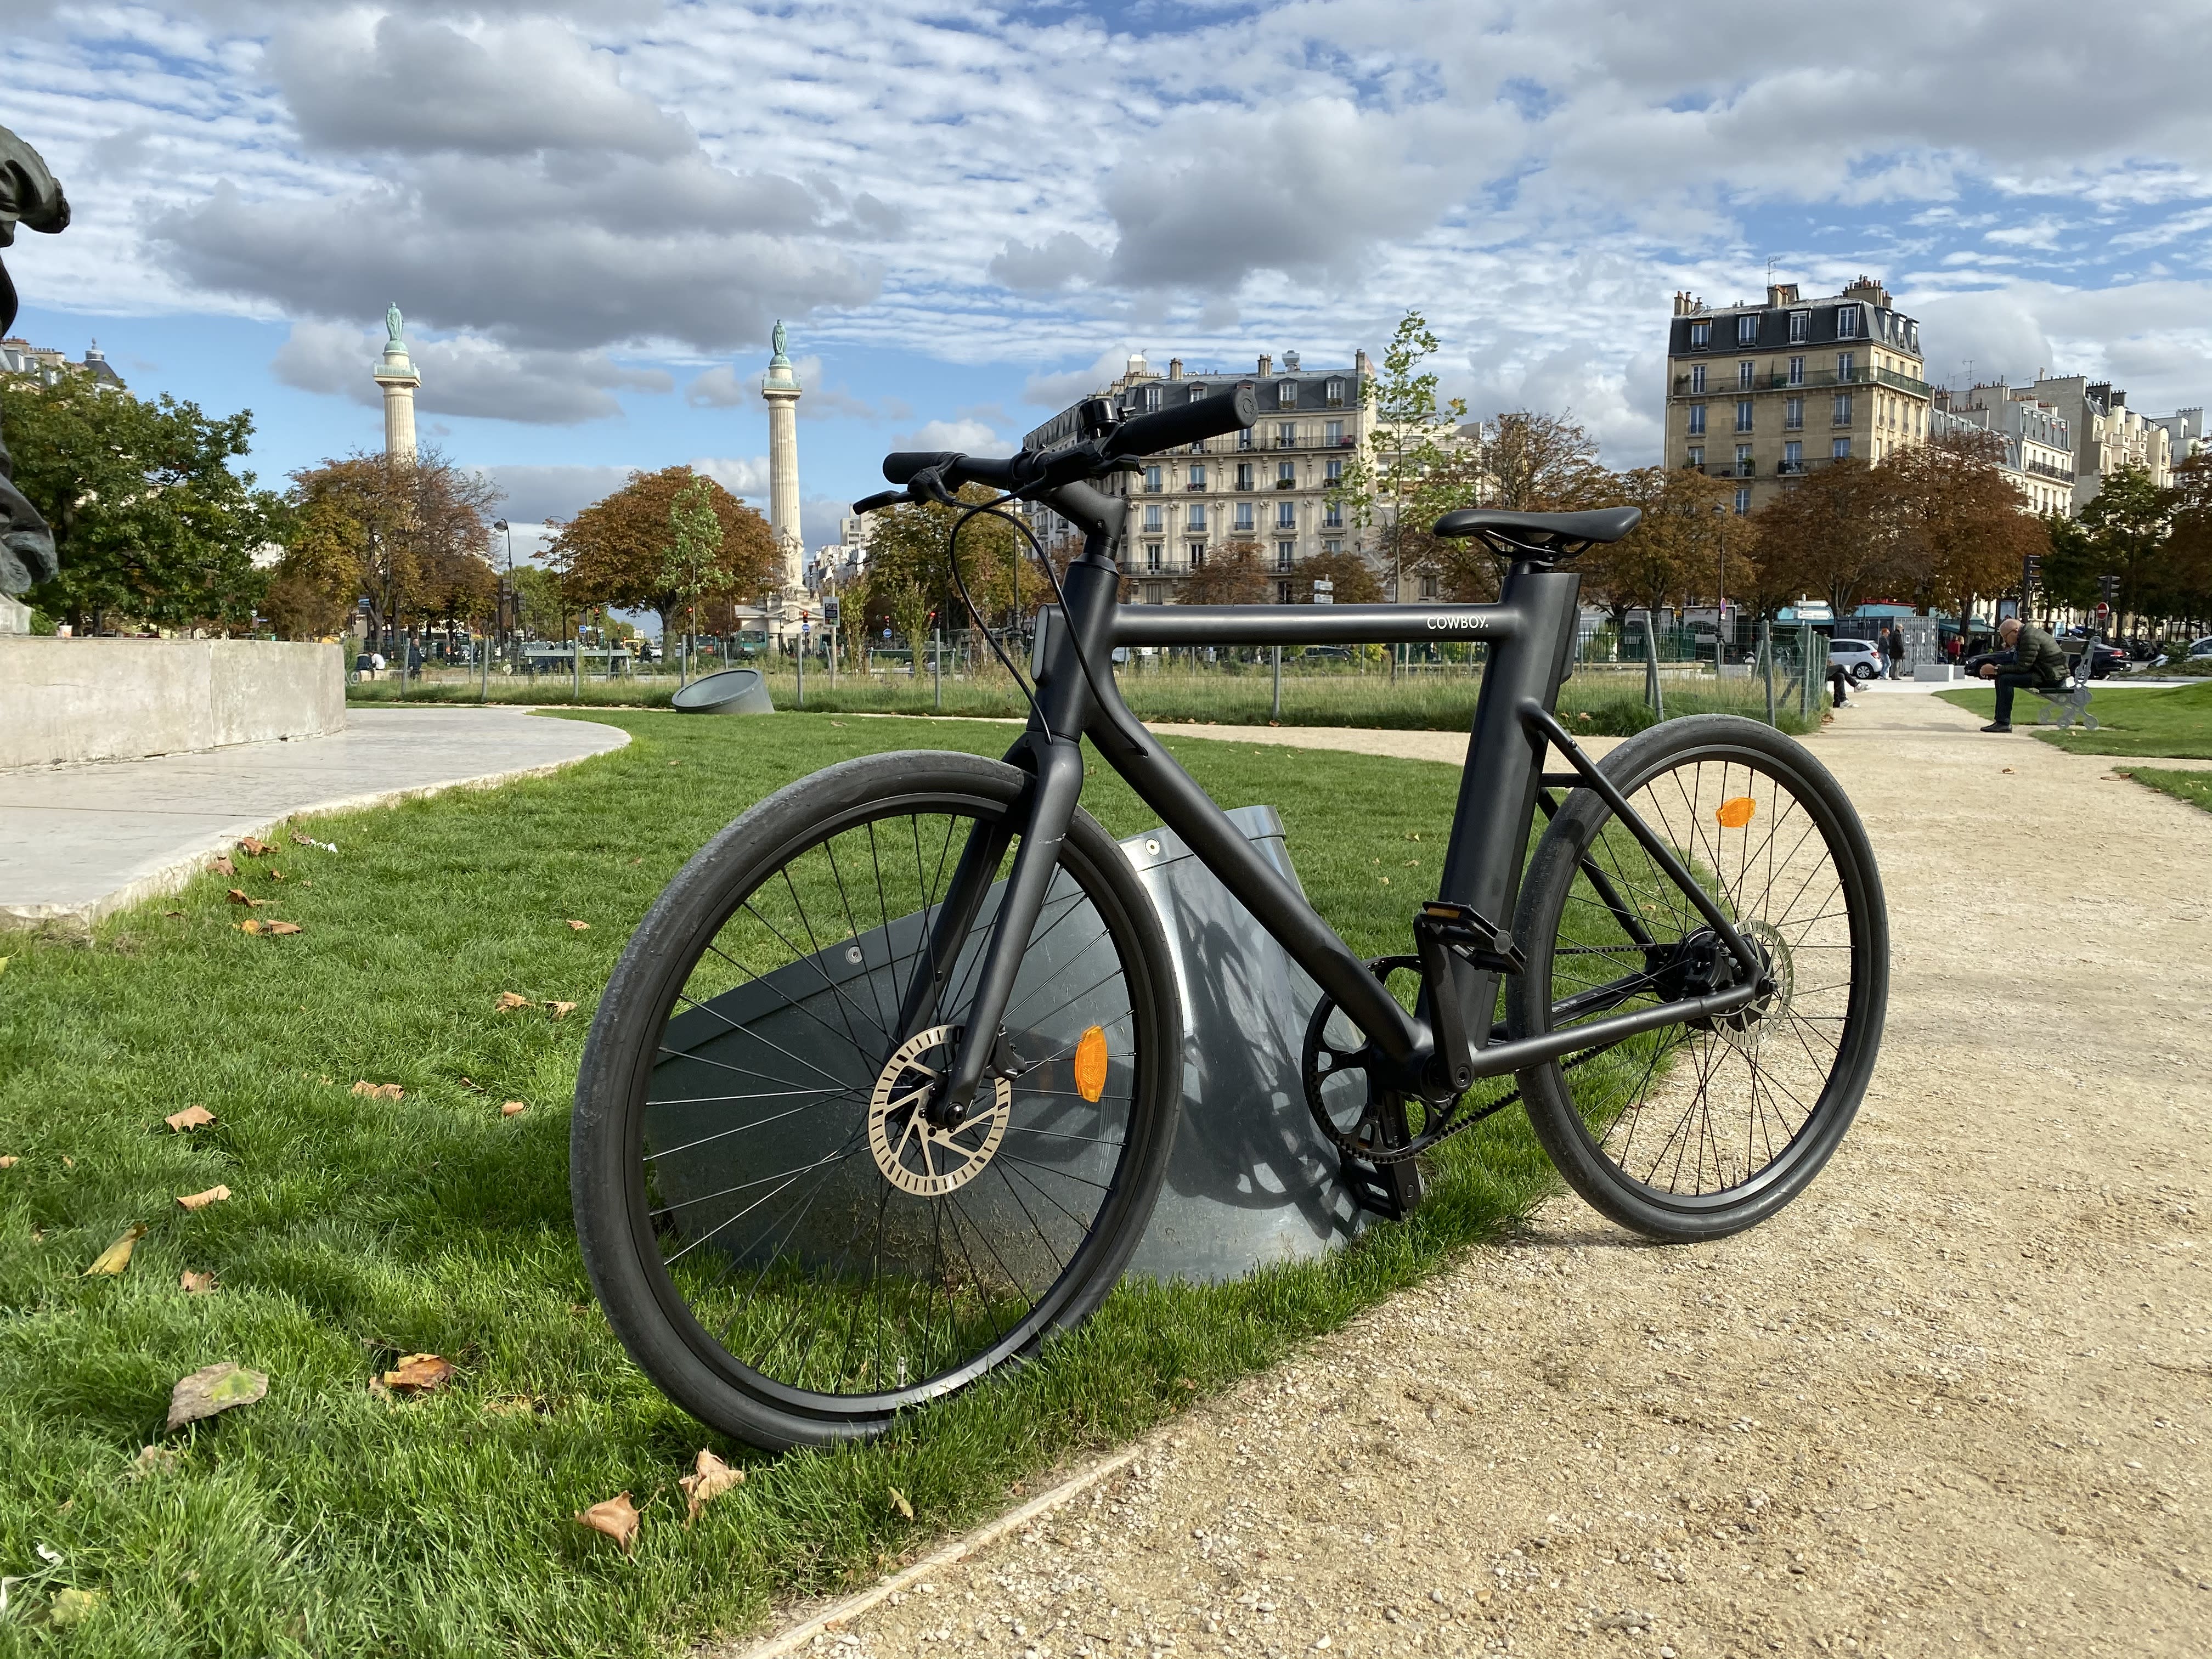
(826, 1621)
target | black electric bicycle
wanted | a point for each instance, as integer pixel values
(883, 1089)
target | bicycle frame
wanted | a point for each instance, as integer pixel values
(1449, 1041)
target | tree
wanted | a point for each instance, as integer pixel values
(1833, 533)
(314, 586)
(693, 569)
(1405, 473)
(907, 549)
(1962, 529)
(2183, 587)
(411, 535)
(150, 522)
(1351, 577)
(1232, 574)
(1533, 462)
(1675, 549)
(617, 551)
(2126, 523)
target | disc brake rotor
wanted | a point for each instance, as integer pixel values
(915, 1155)
(1750, 1026)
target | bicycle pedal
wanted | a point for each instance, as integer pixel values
(1390, 1190)
(1474, 935)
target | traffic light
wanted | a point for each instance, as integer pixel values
(2034, 569)
(2108, 588)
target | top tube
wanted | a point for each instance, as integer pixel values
(1312, 624)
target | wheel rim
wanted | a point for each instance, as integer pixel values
(783, 1241)
(1704, 1116)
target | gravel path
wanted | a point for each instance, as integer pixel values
(1955, 1400)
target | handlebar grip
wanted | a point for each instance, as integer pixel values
(902, 465)
(1194, 422)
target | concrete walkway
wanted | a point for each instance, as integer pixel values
(79, 841)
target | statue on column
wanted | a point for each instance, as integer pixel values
(29, 194)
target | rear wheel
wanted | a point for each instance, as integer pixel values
(782, 1239)
(1700, 1129)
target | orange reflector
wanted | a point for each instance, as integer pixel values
(1091, 1064)
(1735, 813)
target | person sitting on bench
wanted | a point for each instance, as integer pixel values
(2031, 658)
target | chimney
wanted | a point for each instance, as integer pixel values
(1359, 365)
(1266, 363)
(1174, 368)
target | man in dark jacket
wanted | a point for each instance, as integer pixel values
(2035, 660)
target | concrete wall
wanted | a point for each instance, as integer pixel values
(78, 700)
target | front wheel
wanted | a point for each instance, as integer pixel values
(778, 1232)
(1699, 1130)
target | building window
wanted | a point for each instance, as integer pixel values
(1155, 593)
(1244, 438)
(1697, 454)
(1334, 391)
(1195, 518)
(1843, 415)
(1701, 336)
(1697, 379)
(1152, 556)
(1332, 516)
(1797, 371)
(1286, 394)
(1743, 414)
(1197, 551)
(1243, 475)
(1152, 481)
(1198, 477)
(1244, 517)
(1429, 587)
(1697, 420)
(1847, 322)
(1745, 373)
(1196, 392)
(1801, 327)
(1793, 457)
(1286, 475)
(1286, 435)
(1743, 501)
(1287, 555)
(1286, 516)
(1332, 545)
(1152, 398)
(1155, 519)
(1282, 593)
(1743, 460)
(1333, 473)
(1839, 449)
(1331, 434)
(1747, 328)
(1792, 413)
(1847, 365)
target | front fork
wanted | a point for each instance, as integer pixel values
(1051, 798)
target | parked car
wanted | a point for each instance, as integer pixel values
(2200, 648)
(1861, 659)
(2109, 657)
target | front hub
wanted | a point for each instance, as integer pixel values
(915, 1155)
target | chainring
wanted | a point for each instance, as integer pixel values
(1377, 1127)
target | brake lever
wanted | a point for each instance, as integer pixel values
(882, 498)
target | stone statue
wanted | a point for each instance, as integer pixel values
(392, 321)
(27, 193)
(779, 339)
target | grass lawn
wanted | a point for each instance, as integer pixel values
(1614, 703)
(2176, 721)
(331, 1520)
(2194, 788)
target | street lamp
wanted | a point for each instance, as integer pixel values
(501, 524)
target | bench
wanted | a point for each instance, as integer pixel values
(2066, 703)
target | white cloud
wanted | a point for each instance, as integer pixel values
(466, 375)
(541, 492)
(969, 437)
(1045, 265)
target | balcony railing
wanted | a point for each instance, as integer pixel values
(1779, 381)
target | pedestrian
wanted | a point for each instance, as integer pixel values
(2030, 657)
(1893, 649)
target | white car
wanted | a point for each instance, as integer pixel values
(1861, 659)
(2201, 647)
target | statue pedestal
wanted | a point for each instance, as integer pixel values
(88, 700)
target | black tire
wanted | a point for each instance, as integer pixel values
(1861, 672)
(1788, 1106)
(667, 1271)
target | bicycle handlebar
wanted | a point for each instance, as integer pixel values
(1191, 424)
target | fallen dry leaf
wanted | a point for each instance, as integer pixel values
(73, 1607)
(198, 1284)
(276, 874)
(178, 915)
(153, 1460)
(224, 866)
(253, 848)
(380, 1091)
(298, 840)
(249, 926)
(510, 1000)
(511, 1108)
(111, 1261)
(201, 1200)
(8, 1162)
(711, 1478)
(899, 1503)
(238, 896)
(616, 1518)
(576, 926)
(191, 1118)
(68, 1163)
(419, 1373)
(214, 1389)
(562, 1010)
(282, 927)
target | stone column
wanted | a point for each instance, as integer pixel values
(781, 387)
(396, 373)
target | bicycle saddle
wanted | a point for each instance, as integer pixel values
(1562, 535)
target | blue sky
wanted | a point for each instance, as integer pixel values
(592, 212)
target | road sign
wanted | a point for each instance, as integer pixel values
(2104, 611)
(830, 611)
(1324, 591)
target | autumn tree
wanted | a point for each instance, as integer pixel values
(1233, 574)
(2183, 587)
(151, 523)
(1524, 460)
(1832, 534)
(618, 551)
(1962, 529)
(1676, 549)
(1352, 581)
(2126, 524)
(906, 554)
(412, 537)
